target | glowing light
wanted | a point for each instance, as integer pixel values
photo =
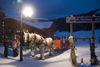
(3, 36)
(19, 1)
(3, 22)
(3, 25)
(26, 30)
(28, 12)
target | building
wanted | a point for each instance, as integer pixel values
(2, 14)
(11, 26)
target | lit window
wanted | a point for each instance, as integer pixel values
(3, 25)
(3, 22)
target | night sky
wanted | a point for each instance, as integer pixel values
(51, 9)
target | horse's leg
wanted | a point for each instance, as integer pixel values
(43, 52)
(41, 48)
(51, 51)
(40, 52)
(32, 50)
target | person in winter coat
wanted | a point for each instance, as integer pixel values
(5, 43)
(16, 44)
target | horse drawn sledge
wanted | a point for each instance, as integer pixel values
(42, 43)
(34, 40)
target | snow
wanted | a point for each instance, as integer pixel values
(44, 24)
(60, 59)
(38, 18)
(81, 33)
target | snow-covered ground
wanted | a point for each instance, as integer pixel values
(60, 59)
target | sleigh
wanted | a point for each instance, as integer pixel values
(61, 44)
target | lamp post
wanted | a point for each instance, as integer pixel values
(21, 55)
(28, 13)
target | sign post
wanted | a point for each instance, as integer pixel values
(71, 28)
(94, 59)
(86, 19)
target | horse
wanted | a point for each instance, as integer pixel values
(26, 40)
(29, 37)
(37, 40)
(47, 43)
(41, 43)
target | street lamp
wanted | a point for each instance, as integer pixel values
(28, 13)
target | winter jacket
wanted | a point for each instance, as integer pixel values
(16, 43)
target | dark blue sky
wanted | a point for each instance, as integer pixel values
(51, 9)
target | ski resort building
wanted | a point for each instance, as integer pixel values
(43, 27)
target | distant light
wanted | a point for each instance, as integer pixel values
(3, 25)
(19, 1)
(28, 12)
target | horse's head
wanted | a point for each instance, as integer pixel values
(32, 36)
(26, 37)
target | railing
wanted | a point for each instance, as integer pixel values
(81, 38)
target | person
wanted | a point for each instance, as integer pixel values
(99, 39)
(5, 43)
(16, 44)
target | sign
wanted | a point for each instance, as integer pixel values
(70, 19)
(88, 19)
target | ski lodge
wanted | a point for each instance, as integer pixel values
(11, 26)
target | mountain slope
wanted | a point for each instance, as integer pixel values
(61, 24)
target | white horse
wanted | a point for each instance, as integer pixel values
(26, 40)
(36, 40)
(48, 42)
(41, 43)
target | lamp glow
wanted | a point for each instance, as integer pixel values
(28, 12)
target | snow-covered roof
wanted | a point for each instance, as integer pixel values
(39, 25)
(24, 21)
(39, 18)
(43, 25)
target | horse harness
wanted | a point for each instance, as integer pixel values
(28, 38)
(34, 40)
